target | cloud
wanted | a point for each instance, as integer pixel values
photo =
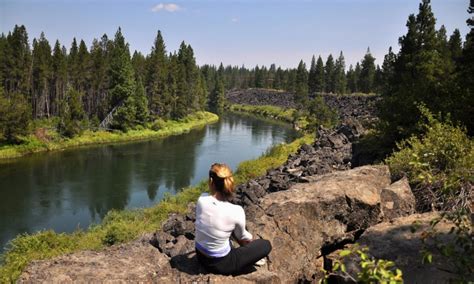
(168, 7)
(234, 20)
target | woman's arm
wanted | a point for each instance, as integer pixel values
(242, 236)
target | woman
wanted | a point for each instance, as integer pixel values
(216, 220)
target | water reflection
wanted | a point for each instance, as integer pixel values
(70, 189)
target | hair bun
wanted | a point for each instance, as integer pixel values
(222, 178)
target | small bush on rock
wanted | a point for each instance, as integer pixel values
(371, 270)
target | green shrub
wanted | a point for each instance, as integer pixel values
(371, 270)
(441, 160)
(319, 113)
(15, 115)
(158, 124)
(267, 111)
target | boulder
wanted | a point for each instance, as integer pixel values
(398, 200)
(397, 241)
(304, 219)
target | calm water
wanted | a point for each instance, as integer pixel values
(74, 188)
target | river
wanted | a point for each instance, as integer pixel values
(72, 189)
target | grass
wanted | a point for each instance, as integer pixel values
(125, 225)
(267, 111)
(33, 144)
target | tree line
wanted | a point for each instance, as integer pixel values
(329, 76)
(82, 85)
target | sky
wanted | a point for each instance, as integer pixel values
(237, 32)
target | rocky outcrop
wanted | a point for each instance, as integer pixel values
(258, 97)
(136, 262)
(332, 151)
(303, 223)
(398, 241)
(362, 107)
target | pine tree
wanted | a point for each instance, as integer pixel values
(463, 108)
(320, 75)
(18, 59)
(72, 114)
(419, 77)
(378, 80)
(202, 92)
(139, 65)
(122, 84)
(351, 85)
(191, 75)
(157, 77)
(455, 45)
(83, 68)
(5, 52)
(41, 76)
(312, 79)
(301, 84)
(72, 64)
(278, 83)
(329, 75)
(367, 73)
(258, 77)
(216, 99)
(181, 98)
(141, 102)
(100, 64)
(291, 80)
(388, 70)
(59, 80)
(340, 75)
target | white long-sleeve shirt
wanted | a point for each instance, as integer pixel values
(215, 222)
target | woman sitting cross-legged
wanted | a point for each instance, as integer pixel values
(216, 220)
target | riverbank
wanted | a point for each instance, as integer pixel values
(88, 138)
(123, 226)
(268, 111)
(289, 115)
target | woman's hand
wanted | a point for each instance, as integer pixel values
(244, 242)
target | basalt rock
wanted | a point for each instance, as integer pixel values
(331, 151)
(261, 97)
(397, 241)
(398, 200)
(362, 107)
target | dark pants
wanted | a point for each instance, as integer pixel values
(238, 260)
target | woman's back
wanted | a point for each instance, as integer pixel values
(215, 222)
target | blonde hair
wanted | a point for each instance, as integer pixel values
(220, 175)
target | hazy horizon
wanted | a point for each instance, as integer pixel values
(234, 32)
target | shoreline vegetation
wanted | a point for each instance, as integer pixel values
(53, 142)
(290, 115)
(120, 226)
(268, 111)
